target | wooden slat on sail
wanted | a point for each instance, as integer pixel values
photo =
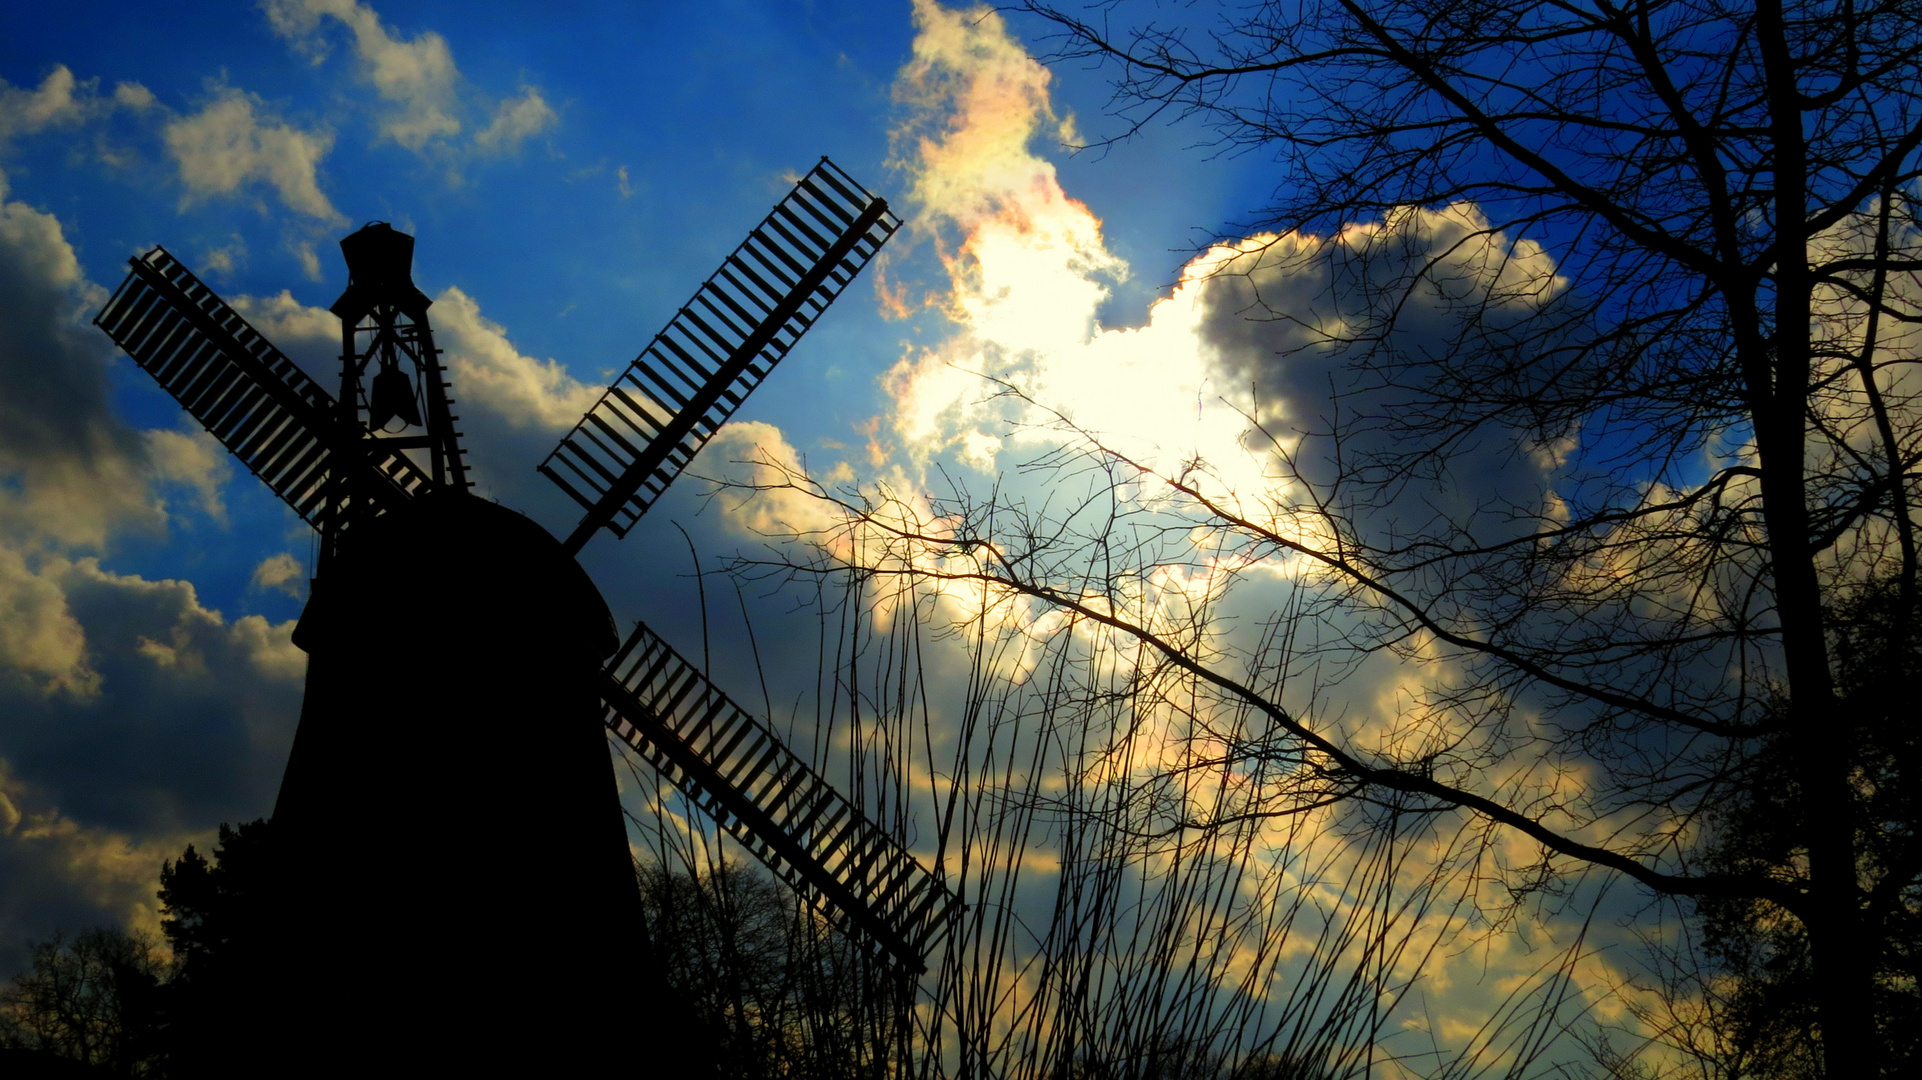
(720, 345)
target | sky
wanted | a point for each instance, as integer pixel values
(571, 174)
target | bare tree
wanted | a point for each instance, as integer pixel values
(1607, 414)
(772, 989)
(92, 999)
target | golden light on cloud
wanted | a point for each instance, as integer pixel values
(1028, 270)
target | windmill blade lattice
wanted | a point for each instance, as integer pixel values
(740, 323)
(279, 422)
(742, 775)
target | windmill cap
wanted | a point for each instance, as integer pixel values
(380, 270)
(458, 560)
(379, 255)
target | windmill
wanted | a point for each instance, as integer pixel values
(459, 656)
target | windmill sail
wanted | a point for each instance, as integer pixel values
(722, 343)
(268, 412)
(738, 771)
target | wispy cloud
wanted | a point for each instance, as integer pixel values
(514, 121)
(279, 573)
(63, 101)
(425, 96)
(525, 392)
(236, 143)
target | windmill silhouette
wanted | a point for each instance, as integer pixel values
(459, 657)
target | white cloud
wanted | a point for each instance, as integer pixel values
(490, 372)
(977, 104)
(1252, 331)
(61, 101)
(58, 100)
(132, 95)
(235, 142)
(226, 258)
(281, 316)
(416, 77)
(491, 377)
(70, 470)
(516, 120)
(1028, 269)
(195, 459)
(310, 336)
(280, 573)
(41, 644)
(759, 463)
(136, 717)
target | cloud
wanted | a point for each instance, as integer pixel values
(70, 470)
(133, 96)
(195, 459)
(416, 77)
(758, 462)
(310, 336)
(1028, 270)
(136, 706)
(1254, 330)
(63, 101)
(1285, 313)
(134, 716)
(1281, 323)
(42, 646)
(224, 260)
(63, 874)
(525, 393)
(515, 121)
(59, 100)
(235, 142)
(977, 102)
(490, 375)
(280, 573)
(137, 719)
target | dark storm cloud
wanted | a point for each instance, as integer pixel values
(1346, 334)
(131, 717)
(71, 467)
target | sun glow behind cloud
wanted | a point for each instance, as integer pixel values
(1233, 364)
(1029, 269)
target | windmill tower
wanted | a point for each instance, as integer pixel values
(460, 658)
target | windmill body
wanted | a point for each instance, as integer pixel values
(452, 753)
(453, 761)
